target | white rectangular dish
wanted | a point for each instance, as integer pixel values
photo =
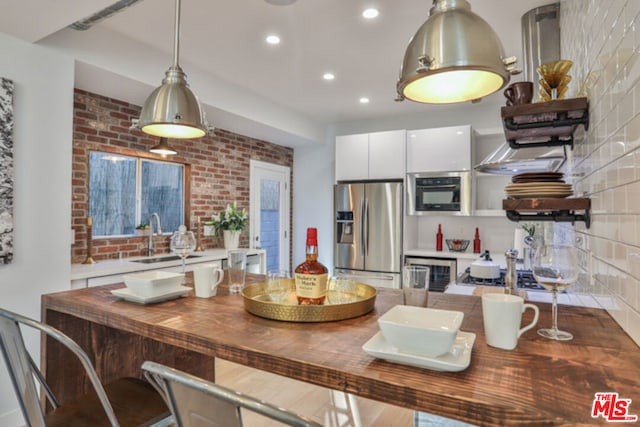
(153, 283)
(419, 330)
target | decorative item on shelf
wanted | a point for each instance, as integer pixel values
(439, 238)
(89, 259)
(230, 223)
(143, 230)
(519, 93)
(555, 80)
(198, 233)
(457, 245)
(476, 242)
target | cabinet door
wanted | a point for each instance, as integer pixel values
(439, 149)
(352, 157)
(386, 154)
(105, 280)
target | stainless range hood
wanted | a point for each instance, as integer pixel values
(507, 161)
(540, 44)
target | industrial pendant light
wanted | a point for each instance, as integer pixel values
(163, 148)
(172, 110)
(454, 56)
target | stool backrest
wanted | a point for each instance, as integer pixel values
(24, 372)
(194, 401)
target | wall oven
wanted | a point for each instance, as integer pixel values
(442, 271)
(439, 193)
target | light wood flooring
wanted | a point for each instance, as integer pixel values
(328, 407)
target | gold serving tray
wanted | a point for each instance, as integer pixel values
(337, 306)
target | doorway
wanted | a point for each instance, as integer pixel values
(269, 212)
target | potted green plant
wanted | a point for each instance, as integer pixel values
(142, 230)
(230, 223)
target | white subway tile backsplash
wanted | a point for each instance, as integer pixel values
(603, 40)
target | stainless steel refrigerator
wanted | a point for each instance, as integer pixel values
(368, 231)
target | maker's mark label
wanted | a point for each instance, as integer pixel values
(311, 285)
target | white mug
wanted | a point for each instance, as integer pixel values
(502, 315)
(206, 279)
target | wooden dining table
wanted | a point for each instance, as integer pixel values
(541, 382)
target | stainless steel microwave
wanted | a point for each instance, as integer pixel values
(439, 193)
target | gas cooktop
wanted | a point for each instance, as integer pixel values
(525, 280)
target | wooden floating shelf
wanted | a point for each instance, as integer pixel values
(548, 123)
(551, 209)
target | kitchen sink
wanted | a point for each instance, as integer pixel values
(161, 259)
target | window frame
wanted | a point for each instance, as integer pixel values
(139, 156)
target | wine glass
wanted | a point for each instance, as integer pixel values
(183, 242)
(555, 267)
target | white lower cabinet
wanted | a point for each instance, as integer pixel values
(119, 278)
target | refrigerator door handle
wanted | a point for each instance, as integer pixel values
(362, 245)
(365, 225)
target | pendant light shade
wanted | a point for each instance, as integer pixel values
(455, 56)
(173, 110)
(163, 148)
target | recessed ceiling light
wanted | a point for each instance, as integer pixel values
(328, 76)
(280, 2)
(370, 13)
(364, 100)
(273, 39)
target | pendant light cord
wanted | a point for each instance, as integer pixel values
(176, 42)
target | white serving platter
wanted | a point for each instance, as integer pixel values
(458, 359)
(127, 295)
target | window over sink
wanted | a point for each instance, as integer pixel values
(125, 190)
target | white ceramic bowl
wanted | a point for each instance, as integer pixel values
(423, 331)
(153, 283)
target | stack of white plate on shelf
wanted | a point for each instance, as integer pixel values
(538, 185)
(152, 286)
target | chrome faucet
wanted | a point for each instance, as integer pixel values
(158, 229)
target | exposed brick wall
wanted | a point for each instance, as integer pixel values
(218, 164)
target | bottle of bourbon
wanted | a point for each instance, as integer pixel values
(311, 276)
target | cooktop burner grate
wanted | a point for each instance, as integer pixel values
(525, 279)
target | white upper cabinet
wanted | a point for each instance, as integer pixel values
(378, 155)
(439, 149)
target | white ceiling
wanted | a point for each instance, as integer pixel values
(225, 57)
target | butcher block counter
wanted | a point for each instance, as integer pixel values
(541, 382)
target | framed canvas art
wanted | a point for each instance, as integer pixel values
(6, 171)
